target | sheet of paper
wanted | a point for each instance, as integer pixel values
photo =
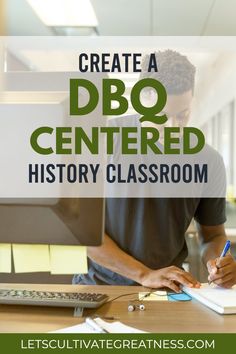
(111, 327)
(117, 327)
(79, 328)
(31, 258)
(158, 295)
(5, 258)
(68, 259)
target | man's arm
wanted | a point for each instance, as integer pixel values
(110, 256)
(212, 240)
(221, 271)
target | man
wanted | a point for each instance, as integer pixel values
(144, 241)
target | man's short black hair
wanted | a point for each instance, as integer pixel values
(175, 71)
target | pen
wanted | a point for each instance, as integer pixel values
(225, 249)
(95, 326)
(223, 253)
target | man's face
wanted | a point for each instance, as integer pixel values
(177, 109)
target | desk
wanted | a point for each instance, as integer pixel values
(158, 317)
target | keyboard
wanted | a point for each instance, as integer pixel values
(51, 298)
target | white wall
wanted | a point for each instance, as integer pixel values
(215, 89)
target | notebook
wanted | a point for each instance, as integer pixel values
(218, 299)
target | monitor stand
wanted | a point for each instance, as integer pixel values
(78, 311)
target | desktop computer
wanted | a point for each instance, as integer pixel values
(43, 220)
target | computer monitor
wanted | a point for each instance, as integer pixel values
(65, 221)
(62, 221)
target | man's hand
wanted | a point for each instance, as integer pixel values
(170, 277)
(222, 271)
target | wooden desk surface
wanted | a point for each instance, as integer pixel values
(158, 317)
